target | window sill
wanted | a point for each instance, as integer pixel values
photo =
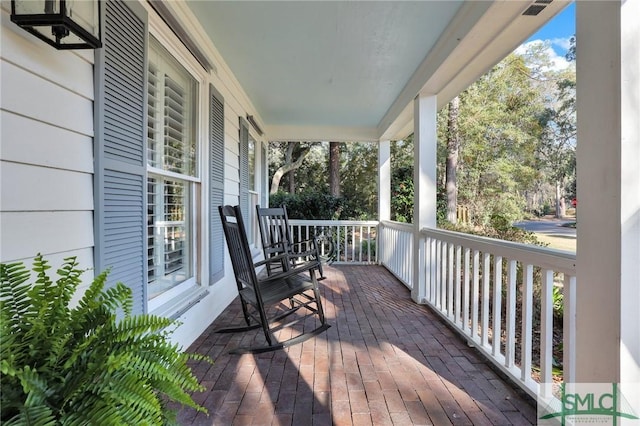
(182, 303)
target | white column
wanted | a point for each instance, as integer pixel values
(608, 158)
(424, 183)
(384, 180)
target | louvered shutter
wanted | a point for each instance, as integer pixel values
(244, 171)
(120, 149)
(216, 183)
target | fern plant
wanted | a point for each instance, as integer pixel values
(91, 364)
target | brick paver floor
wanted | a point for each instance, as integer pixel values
(384, 361)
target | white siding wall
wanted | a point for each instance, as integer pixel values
(46, 152)
(46, 156)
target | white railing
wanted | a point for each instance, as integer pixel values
(396, 250)
(500, 295)
(341, 241)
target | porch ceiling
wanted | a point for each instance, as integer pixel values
(337, 70)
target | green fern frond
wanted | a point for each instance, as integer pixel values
(36, 416)
(14, 300)
(94, 363)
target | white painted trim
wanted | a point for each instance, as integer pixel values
(424, 180)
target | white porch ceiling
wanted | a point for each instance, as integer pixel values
(349, 70)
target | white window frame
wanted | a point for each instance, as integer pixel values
(254, 196)
(190, 288)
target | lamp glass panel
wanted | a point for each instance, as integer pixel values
(84, 13)
(37, 7)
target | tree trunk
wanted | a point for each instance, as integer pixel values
(288, 166)
(560, 204)
(334, 168)
(453, 146)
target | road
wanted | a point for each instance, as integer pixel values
(548, 227)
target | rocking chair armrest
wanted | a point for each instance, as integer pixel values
(294, 270)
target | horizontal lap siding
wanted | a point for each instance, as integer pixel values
(46, 161)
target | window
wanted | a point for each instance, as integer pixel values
(253, 195)
(252, 164)
(172, 183)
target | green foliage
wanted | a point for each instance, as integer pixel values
(402, 180)
(309, 205)
(369, 247)
(558, 301)
(359, 176)
(94, 363)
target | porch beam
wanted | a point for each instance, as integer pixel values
(608, 154)
(424, 182)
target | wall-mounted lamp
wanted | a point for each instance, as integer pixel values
(64, 24)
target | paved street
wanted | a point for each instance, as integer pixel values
(548, 227)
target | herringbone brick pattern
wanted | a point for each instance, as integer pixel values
(384, 361)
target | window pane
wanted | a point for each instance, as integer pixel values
(252, 164)
(168, 233)
(172, 97)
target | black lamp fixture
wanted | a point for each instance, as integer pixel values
(64, 24)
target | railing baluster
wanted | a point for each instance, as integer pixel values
(527, 323)
(458, 290)
(450, 284)
(497, 305)
(465, 291)
(475, 295)
(438, 279)
(486, 300)
(443, 277)
(360, 244)
(510, 350)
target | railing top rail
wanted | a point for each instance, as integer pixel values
(320, 222)
(557, 260)
(402, 226)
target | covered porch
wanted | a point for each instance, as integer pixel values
(385, 360)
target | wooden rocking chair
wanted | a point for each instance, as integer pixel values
(290, 289)
(275, 234)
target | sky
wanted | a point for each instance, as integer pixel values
(556, 34)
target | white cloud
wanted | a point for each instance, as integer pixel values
(558, 62)
(562, 43)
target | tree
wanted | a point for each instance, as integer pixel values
(571, 53)
(499, 133)
(289, 164)
(558, 141)
(359, 179)
(334, 168)
(453, 145)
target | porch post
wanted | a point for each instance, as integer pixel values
(424, 184)
(384, 180)
(608, 154)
